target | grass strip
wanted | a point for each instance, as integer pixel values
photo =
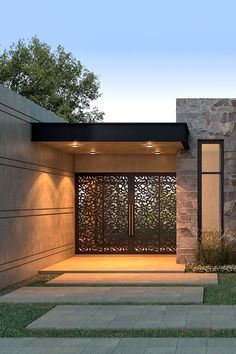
(37, 280)
(222, 294)
(15, 317)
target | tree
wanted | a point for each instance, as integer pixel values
(55, 80)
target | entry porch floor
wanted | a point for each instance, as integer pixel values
(117, 263)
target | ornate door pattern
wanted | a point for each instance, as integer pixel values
(125, 213)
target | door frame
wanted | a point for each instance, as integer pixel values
(173, 174)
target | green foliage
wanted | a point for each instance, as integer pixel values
(201, 268)
(212, 251)
(55, 80)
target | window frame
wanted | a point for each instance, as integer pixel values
(201, 142)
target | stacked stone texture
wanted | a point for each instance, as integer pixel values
(206, 119)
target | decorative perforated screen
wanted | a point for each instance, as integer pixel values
(125, 213)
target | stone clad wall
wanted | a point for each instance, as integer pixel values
(206, 119)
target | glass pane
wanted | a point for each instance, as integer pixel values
(211, 205)
(210, 157)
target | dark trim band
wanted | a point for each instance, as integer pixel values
(33, 215)
(35, 260)
(36, 164)
(36, 254)
(35, 170)
(33, 209)
(111, 132)
(16, 110)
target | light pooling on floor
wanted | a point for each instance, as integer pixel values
(117, 263)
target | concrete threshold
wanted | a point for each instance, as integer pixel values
(135, 279)
(117, 263)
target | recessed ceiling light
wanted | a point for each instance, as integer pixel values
(157, 152)
(149, 144)
(92, 152)
(75, 144)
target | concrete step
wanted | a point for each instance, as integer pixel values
(117, 264)
(102, 295)
(118, 345)
(134, 279)
(99, 317)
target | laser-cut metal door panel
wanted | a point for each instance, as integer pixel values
(125, 213)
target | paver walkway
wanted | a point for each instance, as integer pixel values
(85, 295)
(138, 316)
(135, 278)
(117, 263)
(118, 346)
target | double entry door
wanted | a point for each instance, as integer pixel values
(126, 213)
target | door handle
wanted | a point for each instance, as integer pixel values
(132, 218)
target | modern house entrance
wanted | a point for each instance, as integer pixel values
(125, 186)
(130, 188)
(126, 213)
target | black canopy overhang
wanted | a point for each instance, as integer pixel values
(111, 132)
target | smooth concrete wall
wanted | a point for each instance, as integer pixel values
(36, 193)
(125, 163)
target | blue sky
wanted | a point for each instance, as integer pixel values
(146, 53)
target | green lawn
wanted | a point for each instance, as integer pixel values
(224, 293)
(15, 317)
(37, 280)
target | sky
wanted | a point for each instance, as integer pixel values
(146, 53)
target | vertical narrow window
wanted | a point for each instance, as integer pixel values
(210, 188)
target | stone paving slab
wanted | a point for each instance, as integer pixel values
(138, 317)
(87, 295)
(138, 279)
(118, 345)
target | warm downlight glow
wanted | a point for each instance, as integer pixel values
(75, 144)
(149, 144)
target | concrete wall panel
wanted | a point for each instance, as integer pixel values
(34, 233)
(24, 188)
(36, 193)
(15, 144)
(125, 163)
